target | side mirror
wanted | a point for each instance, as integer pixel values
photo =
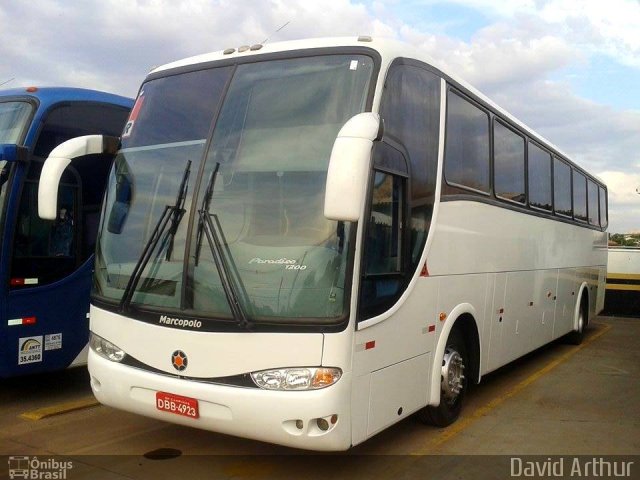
(349, 167)
(59, 158)
(10, 152)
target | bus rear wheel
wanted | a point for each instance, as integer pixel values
(453, 384)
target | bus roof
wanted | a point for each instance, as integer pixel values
(50, 95)
(388, 49)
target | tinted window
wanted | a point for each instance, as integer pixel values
(383, 240)
(592, 195)
(45, 251)
(14, 120)
(604, 214)
(411, 113)
(579, 196)
(508, 154)
(5, 173)
(77, 119)
(539, 177)
(382, 283)
(562, 188)
(467, 144)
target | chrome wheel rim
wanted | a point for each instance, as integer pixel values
(580, 321)
(452, 375)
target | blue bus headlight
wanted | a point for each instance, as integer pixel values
(299, 378)
(105, 349)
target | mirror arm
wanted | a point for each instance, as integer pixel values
(59, 158)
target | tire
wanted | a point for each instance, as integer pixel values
(576, 337)
(453, 384)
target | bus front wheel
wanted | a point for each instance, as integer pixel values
(453, 383)
(576, 337)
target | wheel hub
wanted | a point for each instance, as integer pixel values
(452, 375)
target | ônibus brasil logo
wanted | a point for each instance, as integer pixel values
(34, 468)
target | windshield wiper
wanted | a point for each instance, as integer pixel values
(229, 276)
(171, 213)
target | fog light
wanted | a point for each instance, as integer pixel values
(322, 424)
(334, 419)
(299, 424)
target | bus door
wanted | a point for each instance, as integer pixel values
(51, 262)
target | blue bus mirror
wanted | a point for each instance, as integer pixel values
(10, 152)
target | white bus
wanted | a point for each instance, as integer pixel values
(304, 243)
(623, 281)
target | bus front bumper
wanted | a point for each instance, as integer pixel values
(291, 418)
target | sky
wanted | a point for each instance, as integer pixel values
(570, 69)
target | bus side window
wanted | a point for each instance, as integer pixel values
(45, 251)
(69, 120)
(384, 243)
(467, 154)
(562, 198)
(385, 248)
(604, 218)
(410, 109)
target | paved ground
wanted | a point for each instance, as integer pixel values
(561, 400)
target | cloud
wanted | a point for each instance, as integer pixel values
(112, 44)
(594, 25)
(623, 192)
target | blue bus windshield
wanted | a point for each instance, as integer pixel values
(13, 120)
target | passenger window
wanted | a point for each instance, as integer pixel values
(562, 188)
(45, 251)
(579, 196)
(539, 178)
(508, 154)
(592, 197)
(74, 120)
(604, 214)
(467, 144)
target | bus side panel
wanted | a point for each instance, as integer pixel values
(495, 321)
(409, 382)
(529, 312)
(394, 350)
(602, 277)
(567, 297)
(59, 330)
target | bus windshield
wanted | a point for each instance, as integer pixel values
(220, 180)
(14, 117)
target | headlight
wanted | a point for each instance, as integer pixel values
(305, 378)
(105, 348)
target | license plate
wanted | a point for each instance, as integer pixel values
(172, 403)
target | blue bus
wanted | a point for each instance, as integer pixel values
(46, 266)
